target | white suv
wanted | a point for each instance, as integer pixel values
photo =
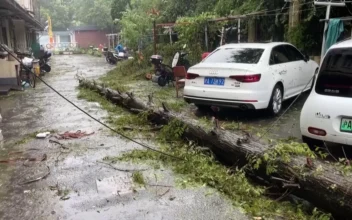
(327, 114)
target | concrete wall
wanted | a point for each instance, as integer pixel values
(85, 39)
(4, 23)
(26, 4)
(21, 35)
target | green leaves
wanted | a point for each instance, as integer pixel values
(281, 152)
(198, 169)
(88, 12)
(118, 7)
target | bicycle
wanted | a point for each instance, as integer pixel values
(26, 74)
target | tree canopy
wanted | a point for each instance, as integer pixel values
(67, 13)
(135, 21)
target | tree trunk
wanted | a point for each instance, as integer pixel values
(294, 13)
(327, 189)
(252, 30)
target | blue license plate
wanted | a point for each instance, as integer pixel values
(214, 81)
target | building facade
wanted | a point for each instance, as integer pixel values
(19, 25)
(86, 36)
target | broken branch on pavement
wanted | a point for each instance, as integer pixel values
(232, 147)
(119, 169)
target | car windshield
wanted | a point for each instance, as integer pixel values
(335, 77)
(235, 55)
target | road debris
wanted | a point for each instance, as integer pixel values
(73, 135)
(163, 194)
(64, 198)
(63, 193)
(119, 169)
(41, 158)
(22, 152)
(42, 135)
(120, 184)
(37, 179)
(37, 159)
(58, 143)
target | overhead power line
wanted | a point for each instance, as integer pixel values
(86, 113)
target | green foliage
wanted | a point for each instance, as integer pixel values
(92, 96)
(344, 166)
(317, 214)
(281, 152)
(78, 12)
(61, 14)
(118, 7)
(191, 31)
(197, 168)
(299, 37)
(136, 23)
(138, 178)
(94, 12)
(179, 8)
(117, 117)
(126, 72)
(172, 132)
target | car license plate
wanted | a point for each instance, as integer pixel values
(214, 81)
(346, 125)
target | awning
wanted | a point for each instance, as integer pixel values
(17, 11)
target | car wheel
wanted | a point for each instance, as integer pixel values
(162, 81)
(275, 104)
(202, 107)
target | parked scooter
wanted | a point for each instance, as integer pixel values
(122, 55)
(110, 57)
(44, 62)
(164, 73)
(181, 60)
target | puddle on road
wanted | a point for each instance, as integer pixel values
(115, 185)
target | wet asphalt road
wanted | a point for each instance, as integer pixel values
(78, 187)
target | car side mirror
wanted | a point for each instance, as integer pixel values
(306, 58)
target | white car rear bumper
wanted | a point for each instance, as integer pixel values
(226, 97)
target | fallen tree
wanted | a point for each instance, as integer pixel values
(314, 180)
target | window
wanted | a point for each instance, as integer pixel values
(65, 39)
(279, 55)
(235, 55)
(335, 77)
(294, 54)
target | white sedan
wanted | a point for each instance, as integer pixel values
(250, 76)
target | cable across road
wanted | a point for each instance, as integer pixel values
(89, 115)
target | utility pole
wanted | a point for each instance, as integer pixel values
(328, 5)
